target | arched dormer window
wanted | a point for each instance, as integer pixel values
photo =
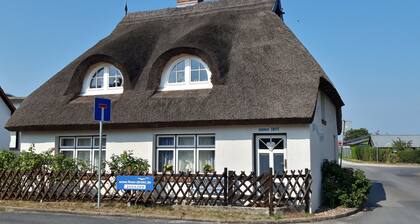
(103, 79)
(184, 73)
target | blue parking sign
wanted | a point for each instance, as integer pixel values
(105, 105)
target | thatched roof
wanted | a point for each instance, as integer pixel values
(7, 101)
(262, 74)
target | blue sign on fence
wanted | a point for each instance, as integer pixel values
(135, 183)
(105, 105)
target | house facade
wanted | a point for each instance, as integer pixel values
(216, 84)
(6, 111)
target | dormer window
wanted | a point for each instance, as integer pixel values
(103, 79)
(184, 73)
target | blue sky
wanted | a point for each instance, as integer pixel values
(370, 49)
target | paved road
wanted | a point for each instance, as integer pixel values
(45, 218)
(394, 198)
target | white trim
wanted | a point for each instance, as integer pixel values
(105, 90)
(269, 152)
(187, 84)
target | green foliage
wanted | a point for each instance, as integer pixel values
(343, 186)
(356, 133)
(368, 153)
(409, 156)
(207, 168)
(126, 163)
(401, 145)
(168, 167)
(8, 160)
(29, 160)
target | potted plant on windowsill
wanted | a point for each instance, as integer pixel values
(207, 168)
(168, 168)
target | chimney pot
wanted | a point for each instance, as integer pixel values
(185, 3)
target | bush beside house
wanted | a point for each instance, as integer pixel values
(343, 186)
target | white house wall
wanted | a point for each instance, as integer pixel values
(5, 114)
(323, 144)
(234, 145)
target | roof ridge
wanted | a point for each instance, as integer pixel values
(199, 9)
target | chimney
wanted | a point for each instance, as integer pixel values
(185, 3)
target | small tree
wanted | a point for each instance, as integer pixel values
(401, 145)
(355, 133)
(126, 163)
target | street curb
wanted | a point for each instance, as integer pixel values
(384, 165)
(130, 215)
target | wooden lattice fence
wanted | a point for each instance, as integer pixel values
(290, 189)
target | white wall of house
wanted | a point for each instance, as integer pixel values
(306, 147)
(5, 114)
(234, 144)
(323, 143)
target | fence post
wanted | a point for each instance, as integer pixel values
(225, 183)
(270, 192)
(308, 190)
(231, 176)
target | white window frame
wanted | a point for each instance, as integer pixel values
(105, 90)
(166, 136)
(67, 147)
(187, 84)
(75, 148)
(270, 153)
(176, 148)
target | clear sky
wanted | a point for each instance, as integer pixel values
(370, 49)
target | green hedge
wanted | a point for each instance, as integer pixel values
(343, 186)
(409, 156)
(367, 153)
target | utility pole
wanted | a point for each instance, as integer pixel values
(342, 145)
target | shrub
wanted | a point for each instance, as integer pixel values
(8, 160)
(409, 156)
(126, 163)
(343, 186)
(29, 160)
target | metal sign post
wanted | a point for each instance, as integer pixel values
(102, 113)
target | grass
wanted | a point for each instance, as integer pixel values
(177, 212)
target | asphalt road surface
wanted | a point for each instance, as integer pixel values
(46, 218)
(394, 198)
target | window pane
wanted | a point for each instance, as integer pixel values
(68, 154)
(279, 143)
(203, 76)
(99, 83)
(84, 142)
(180, 66)
(84, 156)
(264, 163)
(166, 141)
(195, 65)
(115, 77)
(278, 162)
(206, 158)
(166, 158)
(185, 160)
(186, 141)
(96, 142)
(206, 140)
(96, 158)
(262, 143)
(67, 142)
(195, 76)
(180, 77)
(172, 77)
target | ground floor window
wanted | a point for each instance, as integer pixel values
(84, 148)
(183, 153)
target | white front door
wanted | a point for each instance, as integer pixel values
(270, 152)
